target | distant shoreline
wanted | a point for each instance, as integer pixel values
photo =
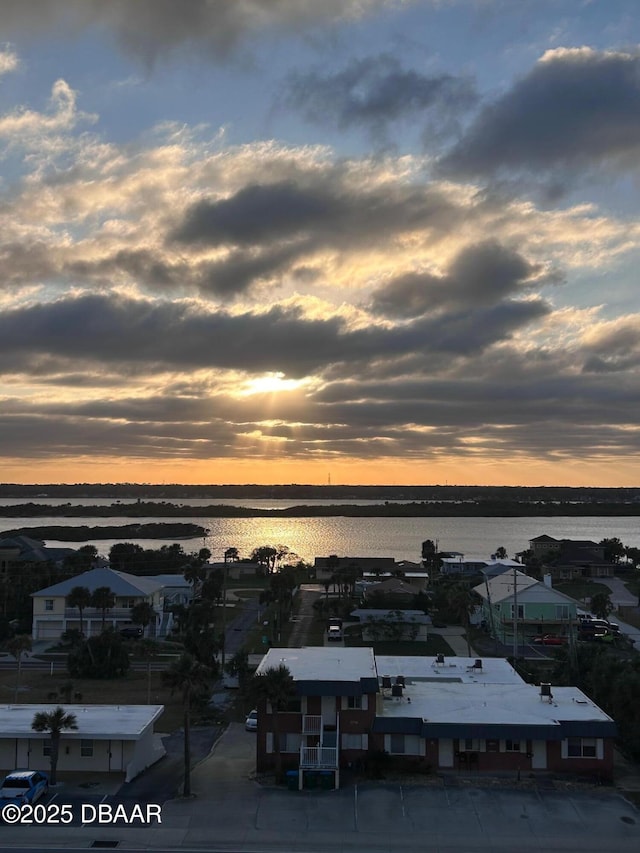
(448, 509)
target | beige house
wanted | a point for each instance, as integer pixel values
(52, 615)
(109, 739)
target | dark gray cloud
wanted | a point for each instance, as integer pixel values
(320, 212)
(113, 330)
(148, 29)
(480, 275)
(373, 92)
(575, 109)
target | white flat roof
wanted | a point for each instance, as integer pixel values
(96, 722)
(322, 664)
(492, 704)
(494, 670)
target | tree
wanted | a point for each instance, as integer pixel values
(103, 656)
(80, 597)
(194, 574)
(231, 555)
(148, 650)
(266, 556)
(142, 614)
(54, 722)
(103, 599)
(122, 554)
(613, 549)
(601, 605)
(190, 678)
(17, 646)
(501, 553)
(462, 604)
(277, 687)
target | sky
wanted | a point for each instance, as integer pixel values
(348, 241)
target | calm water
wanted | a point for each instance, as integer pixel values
(355, 537)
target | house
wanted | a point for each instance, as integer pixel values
(417, 578)
(24, 549)
(109, 739)
(326, 566)
(327, 726)
(540, 608)
(473, 565)
(571, 559)
(425, 714)
(52, 616)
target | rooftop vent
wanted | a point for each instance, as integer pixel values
(386, 681)
(396, 691)
(545, 692)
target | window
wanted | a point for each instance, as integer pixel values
(396, 744)
(48, 604)
(294, 706)
(353, 742)
(520, 611)
(86, 748)
(493, 746)
(290, 742)
(46, 747)
(582, 747)
(354, 703)
(562, 611)
(512, 746)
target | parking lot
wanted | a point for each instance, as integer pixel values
(233, 811)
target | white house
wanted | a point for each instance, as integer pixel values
(109, 738)
(52, 616)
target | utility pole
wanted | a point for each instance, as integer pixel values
(515, 615)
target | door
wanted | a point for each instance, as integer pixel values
(445, 752)
(539, 757)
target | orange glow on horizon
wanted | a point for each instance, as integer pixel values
(618, 472)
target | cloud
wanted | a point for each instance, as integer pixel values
(149, 29)
(116, 329)
(481, 274)
(576, 109)
(374, 92)
(23, 125)
(8, 61)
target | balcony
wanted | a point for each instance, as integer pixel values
(318, 757)
(311, 725)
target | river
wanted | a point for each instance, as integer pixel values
(354, 537)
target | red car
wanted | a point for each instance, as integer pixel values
(549, 640)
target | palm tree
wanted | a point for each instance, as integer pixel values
(17, 646)
(103, 599)
(231, 555)
(194, 574)
(54, 722)
(190, 678)
(148, 650)
(142, 614)
(462, 604)
(277, 687)
(80, 597)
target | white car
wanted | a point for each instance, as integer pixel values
(251, 723)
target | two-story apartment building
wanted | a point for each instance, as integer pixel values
(327, 726)
(52, 615)
(430, 715)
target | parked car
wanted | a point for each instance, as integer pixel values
(24, 786)
(334, 632)
(591, 623)
(549, 640)
(251, 723)
(131, 632)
